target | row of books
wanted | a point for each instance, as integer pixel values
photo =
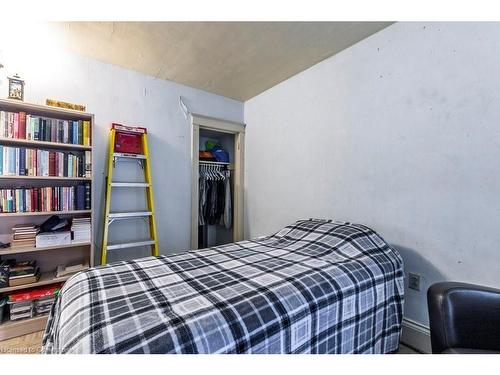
(19, 125)
(20, 161)
(44, 199)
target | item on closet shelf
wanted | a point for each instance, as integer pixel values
(210, 144)
(221, 156)
(206, 156)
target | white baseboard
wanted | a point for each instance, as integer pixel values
(416, 336)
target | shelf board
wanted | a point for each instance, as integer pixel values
(38, 249)
(14, 328)
(45, 279)
(43, 110)
(46, 178)
(45, 213)
(26, 142)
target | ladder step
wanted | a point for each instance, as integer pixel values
(122, 215)
(128, 156)
(130, 184)
(118, 246)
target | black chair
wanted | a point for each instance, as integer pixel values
(464, 318)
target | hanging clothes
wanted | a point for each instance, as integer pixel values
(215, 197)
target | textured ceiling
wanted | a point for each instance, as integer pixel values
(234, 59)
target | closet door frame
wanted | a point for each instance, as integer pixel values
(238, 130)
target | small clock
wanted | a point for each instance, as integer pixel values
(16, 88)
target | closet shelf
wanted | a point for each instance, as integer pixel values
(214, 162)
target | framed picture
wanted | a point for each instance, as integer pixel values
(16, 88)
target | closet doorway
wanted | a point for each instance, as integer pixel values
(230, 136)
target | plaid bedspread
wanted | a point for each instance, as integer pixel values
(313, 287)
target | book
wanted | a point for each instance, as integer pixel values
(64, 270)
(27, 279)
(48, 239)
(23, 265)
(22, 274)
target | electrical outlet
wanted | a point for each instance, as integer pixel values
(414, 281)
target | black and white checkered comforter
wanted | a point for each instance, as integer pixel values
(313, 287)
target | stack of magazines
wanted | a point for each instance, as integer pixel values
(21, 310)
(22, 273)
(43, 305)
(81, 229)
(24, 235)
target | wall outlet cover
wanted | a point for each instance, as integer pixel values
(414, 281)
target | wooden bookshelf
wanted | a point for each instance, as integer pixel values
(46, 278)
(43, 144)
(45, 178)
(44, 213)
(48, 258)
(21, 250)
(14, 328)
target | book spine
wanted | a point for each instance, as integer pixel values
(16, 126)
(22, 161)
(52, 163)
(22, 125)
(87, 196)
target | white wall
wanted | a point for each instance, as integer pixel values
(400, 132)
(118, 95)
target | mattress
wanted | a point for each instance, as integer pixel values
(315, 286)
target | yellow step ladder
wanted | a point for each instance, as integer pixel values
(149, 214)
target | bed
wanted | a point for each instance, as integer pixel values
(315, 286)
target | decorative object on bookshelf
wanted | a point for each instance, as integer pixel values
(57, 103)
(16, 88)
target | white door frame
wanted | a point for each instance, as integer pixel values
(202, 122)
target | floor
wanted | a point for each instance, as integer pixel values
(32, 344)
(27, 344)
